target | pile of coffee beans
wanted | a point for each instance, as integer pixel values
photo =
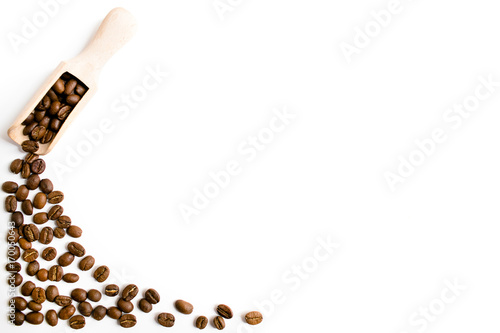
(42, 125)
(23, 236)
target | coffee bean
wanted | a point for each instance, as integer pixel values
(94, 295)
(13, 235)
(76, 249)
(18, 279)
(80, 90)
(45, 122)
(74, 231)
(42, 275)
(40, 218)
(32, 268)
(39, 115)
(152, 296)
(125, 306)
(128, 320)
(145, 306)
(38, 295)
(55, 197)
(30, 255)
(37, 133)
(11, 204)
(56, 273)
(26, 170)
(49, 135)
(30, 146)
(66, 312)
(10, 187)
(70, 86)
(225, 311)
(219, 323)
(55, 212)
(14, 253)
(33, 182)
(99, 312)
(54, 108)
(31, 157)
(13, 267)
(44, 103)
(34, 318)
(46, 186)
(40, 200)
(58, 87)
(27, 207)
(31, 232)
(51, 293)
(27, 288)
(51, 317)
(201, 322)
(101, 273)
(22, 193)
(46, 235)
(73, 99)
(17, 218)
(86, 263)
(29, 128)
(16, 166)
(19, 303)
(183, 306)
(79, 295)
(111, 290)
(49, 253)
(59, 232)
(64, 112)
(52, 95)
(77, 322)
(29, 120)
(166, 319)
(71, 277)
(85, 309)
(19, 318)
(38, 167)
(63, 221)
(63, 300)
(114, 312)
(253, 318)
(34, 306)
(55, 124)
(129, 292)
(24, 244)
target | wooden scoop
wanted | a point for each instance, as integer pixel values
(116, 29)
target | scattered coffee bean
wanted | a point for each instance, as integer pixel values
(56, 273)
(38, 295)
(125, 306)
(225, 311)
(253, 318)
(86, 263)
(76, 249)
(166, 319)
(152, 296)
(40, 200)
(42, 275)
(30, 146)
(19, 318)
(19, 303)
(17, 218)
(46, 186)
(183, 306)
(10, 187)
(38, 167)
(85, 309)
(129, 292)
(18, 279)
(55, 212)
(40, 218)
(219, 323)
(25, 170)
(77, 322)
(15, 253)
(63, 300)
(99, 312)
(66, 259)
(27, 288)
(13, 267)
(11, 204)
(201, 322)
(33, 182)
(30, 255)
(22, 193)
(14, 235)
(16, 166)
(67, 311)
(74, 231)
(145, 306)
(55, 197)
(34, 306)
(24, 244)
(34, 318)
(114, 312)
(63, 221)
(79, 295)
(70, 277)
(51, 293)
(31, 157)
(128, 320)
(51, 317)
(46, 235)
(59, 232)
(111, 290)
(32, 268)
(31, 232)
(27, 207)
(94, 295)
(101, 273)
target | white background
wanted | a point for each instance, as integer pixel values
(321, 177)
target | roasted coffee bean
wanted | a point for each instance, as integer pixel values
(40, 218)
(25, 170)
(51, 317)
(225, 311)
(46, 235)
(54, 108)
(37, 133)
(114, 312)
(27, 288)
(32, 268)
(79, 295)
(34, 306)
(10, 187)
(31, 232)
(18, 279)
(85, 309)
(74, 231)
(55, 124)
(29, 120)
(14, 234)
(129, 292)
(145, 306)
(17, 218)
(51, 293)
(34, 318)
(56, 273)
(253, 318)
(39, 115)
(13, 267)
(30, 146)
(49, 253)
(166, 319)
(31, 157)
(111, 290)
(27, 207)
(45, 122)
(55, 197)
(58, 87)
(22, 193)
(63, 221)
(99, 312)
(128, 320)
(125, 306)
(219, 323)
(86, 263)
(71, 277)
(42, 275)
(48, 136)
(30, 255)
(201, 322)
(44, 103)
(73, 99)
(29, 128)
(11, 204)
(94, 295)
(70, 86)
(40, 200)
(24, 244)
(64, 112)
(46, 186)
(55, 212)
(19, 303)
(38, 295)
(52, 95)
(59, 232)
(183, 306)
(101, 273)
(38, 167)
(152, 296)
(76, 249)
(16, 166)
(66, 312)
(80, 90)
(18, 318)
(32, 182)
(63, 300)
(15, 253)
